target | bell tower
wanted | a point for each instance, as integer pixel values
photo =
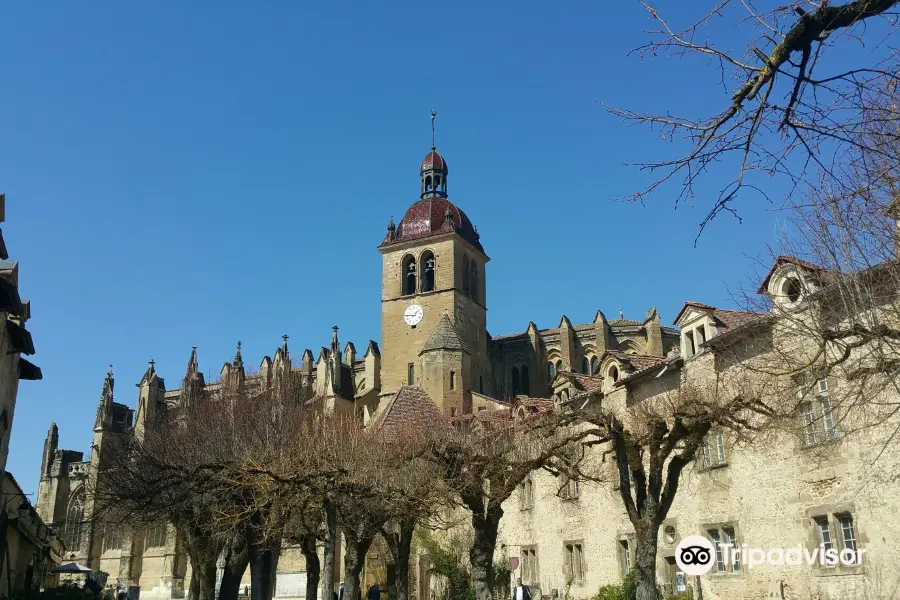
(433, 274)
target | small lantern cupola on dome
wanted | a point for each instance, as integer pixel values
(433, 171)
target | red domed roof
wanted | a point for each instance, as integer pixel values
(428, 217)
(433, 161)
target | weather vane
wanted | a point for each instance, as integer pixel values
(433, 115)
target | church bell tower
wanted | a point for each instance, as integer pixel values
(434, 300)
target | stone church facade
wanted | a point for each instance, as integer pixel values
(435, 342)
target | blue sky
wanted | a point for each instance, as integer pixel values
(197, 173)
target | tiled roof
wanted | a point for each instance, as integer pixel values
(433, 160)
(641, 364)
(540, 405)
(729, 319)
(444, 336)
(427, 218)
(623, 323)
(780, 260)
(411, 412)
(588, 382)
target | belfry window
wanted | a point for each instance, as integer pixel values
(409, 275)
(473, 286)
(428, 272)
(466, 275)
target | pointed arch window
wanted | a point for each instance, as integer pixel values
(466, 274)
(473, 285)
(427, 271)
(551, 371)
(559, 366)
(409, 275)
(595, 364)
(526, 384)
(75, 522)
(515, 382)
(585, 366)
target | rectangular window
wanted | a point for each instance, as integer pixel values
(714, 449)
(527, 494)
(452, 380)
(529, 564)
(717, 542)
(824, 531)
(701, 336)
(411, 374)
(809, 424)
(729, 537)
(823, 386)
(689, 347)
(573, 561)
(828, 420)
(625, 556)
(848, 534)
(724, 539)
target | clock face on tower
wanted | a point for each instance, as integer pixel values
(413, 315)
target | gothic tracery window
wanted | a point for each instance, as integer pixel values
(75, 523)
(473, 285)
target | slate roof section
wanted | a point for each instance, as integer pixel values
(411, 412)
(444, 337)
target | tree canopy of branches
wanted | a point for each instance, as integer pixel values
(656, 436)
(796, 98)
(484, 459)
(187, 468)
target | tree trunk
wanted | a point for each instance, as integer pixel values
(354, 558)
(237, 557)
(400, 544)
(313, 568)
(481, 555)
(331, 536)
(263, 563)
(203, 576)
(645, 561)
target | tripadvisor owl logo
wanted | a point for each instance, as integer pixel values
(694, 555)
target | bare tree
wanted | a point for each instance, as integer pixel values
(797, 102)
(189, 469)
(484, 460)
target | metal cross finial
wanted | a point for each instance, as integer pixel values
(433, 115)
(284, 337)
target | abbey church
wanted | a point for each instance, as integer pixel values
(435, 348)
(433, 335)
